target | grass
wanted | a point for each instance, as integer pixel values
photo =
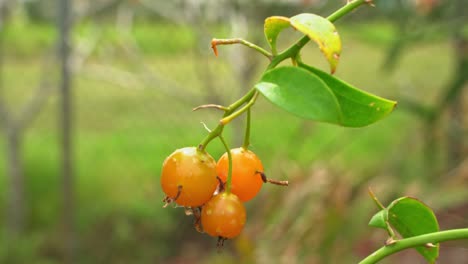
(123, 132)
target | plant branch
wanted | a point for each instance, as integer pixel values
(350, 6)
(415, 241)
(293, 50)
(219, 129)
(244, 42)
(246, 107)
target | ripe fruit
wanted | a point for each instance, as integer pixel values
(189, 176)
(223, 216)
(246, 169)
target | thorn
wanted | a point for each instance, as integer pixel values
(214, 42)
(430, 245)
(206, 127)
(370, 2)
(220, 107)
(390, 241)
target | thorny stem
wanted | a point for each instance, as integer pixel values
(229, 177)
(215, 42)
(246, 107)
(291, 52)
(230, 109)
(411, 242)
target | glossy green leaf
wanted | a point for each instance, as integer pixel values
(410, 217)
(358, 108)
(379, 220)
(272, 27)
(301, 93)
(323, 32)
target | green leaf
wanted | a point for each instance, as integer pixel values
(323, 32)
(410, 217)
(301, 93)
(358, 108)
(379, 220)
(272, 27)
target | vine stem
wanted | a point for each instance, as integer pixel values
(292, 51)
(230, 109)
(415, 241)
(350, 6)
(215, 42)
(229, 177)
(246, 107)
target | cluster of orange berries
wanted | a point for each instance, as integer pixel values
(193, 179)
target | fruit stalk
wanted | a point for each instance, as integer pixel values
(229, 177)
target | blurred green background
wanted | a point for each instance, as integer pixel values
(137, 70)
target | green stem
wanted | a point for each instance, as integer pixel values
(289, 53)
(246, 107)
(247, 131)
(415, 241)
(230, 109)
(244, 42)
(346, 9)
(292, 51)
(229, 177)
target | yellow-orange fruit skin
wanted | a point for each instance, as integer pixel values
(192, 169)
(223, 216)
(246, 166)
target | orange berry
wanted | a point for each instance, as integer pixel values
(189, 176)
(246, 169)
(223, 216)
